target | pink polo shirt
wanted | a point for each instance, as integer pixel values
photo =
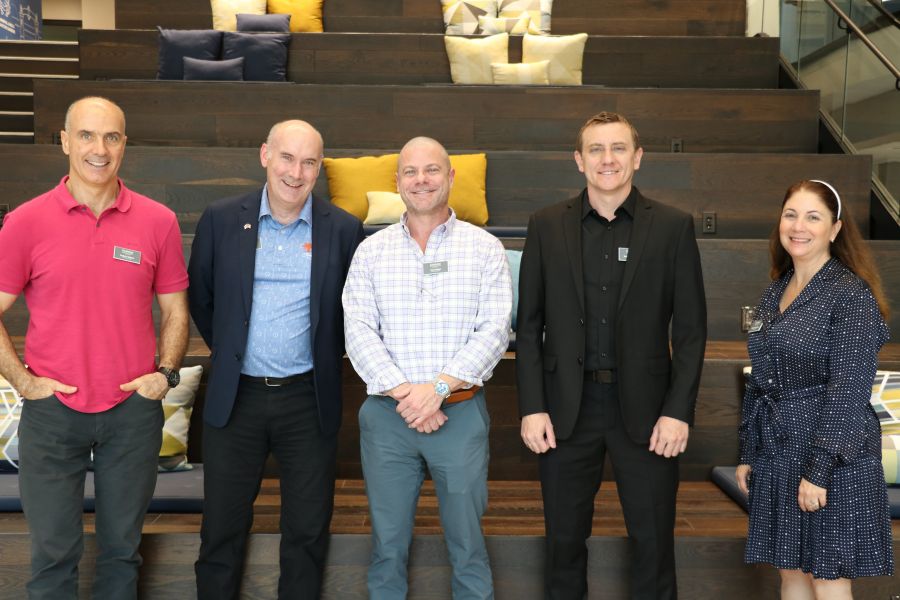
(89, 286)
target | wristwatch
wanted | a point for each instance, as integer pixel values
(173, 377)
(441, 388)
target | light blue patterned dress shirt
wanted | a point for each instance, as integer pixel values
(279, 343)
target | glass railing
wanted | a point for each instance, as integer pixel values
(854, 65)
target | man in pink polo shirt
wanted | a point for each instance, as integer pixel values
(90, 255)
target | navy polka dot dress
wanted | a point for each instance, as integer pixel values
(806, 414)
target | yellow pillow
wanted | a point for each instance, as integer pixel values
(493, 25)
(467, 196)
(224, 11)
(461, 18)
(306, 15)
(470, 59)
(521, 73)
(565, 53)
(538, 10)
(384, 208)
(350, 179)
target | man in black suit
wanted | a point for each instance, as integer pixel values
(603, 277)
(267, 270)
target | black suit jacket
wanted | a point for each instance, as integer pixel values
(223, 260)
(662, 286)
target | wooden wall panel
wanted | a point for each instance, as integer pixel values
(606, 17)
(743, 190)
(178, 113)
(710, 62)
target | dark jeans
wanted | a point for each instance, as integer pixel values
(55, 444)
(284, 421)
(647, 484)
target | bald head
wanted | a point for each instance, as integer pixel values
(427, 144)
(95, 103)
(295, 127)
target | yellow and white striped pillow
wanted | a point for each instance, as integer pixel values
(461, 18)
(471, 59)
(521, 73)
(565, 53)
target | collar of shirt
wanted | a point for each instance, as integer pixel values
(266, 211)
(68, 202)
(442, 230)
(626, 208)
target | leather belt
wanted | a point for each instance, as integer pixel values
(277, 381)
(462, 395)
(601, 376)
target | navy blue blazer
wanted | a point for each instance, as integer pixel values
(221, 268)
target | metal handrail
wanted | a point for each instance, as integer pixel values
(887, 14)
(865, 40)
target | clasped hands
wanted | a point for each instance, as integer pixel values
(419, 405)
(152, 386)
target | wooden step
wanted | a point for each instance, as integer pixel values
(615, 17)
(743, 191)
(39, 48)
(18, 101)
(178, 113)
(16, 120)
(38, 66)
(16, 137)
(613, 61)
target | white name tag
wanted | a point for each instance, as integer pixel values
(433, 268)
(623, 254)
(124, 254)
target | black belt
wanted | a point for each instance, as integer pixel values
(601, 376)
(277, 381)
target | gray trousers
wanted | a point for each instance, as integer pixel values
(55, 444)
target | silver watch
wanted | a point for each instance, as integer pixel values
(441, 388)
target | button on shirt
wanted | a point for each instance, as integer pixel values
(279, 342)
(601, 240)
(403, 325)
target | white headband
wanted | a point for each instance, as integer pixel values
(836, 195)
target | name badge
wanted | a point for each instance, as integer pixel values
(433, 268)
(623, 254)
(755, 326)
(132, 256)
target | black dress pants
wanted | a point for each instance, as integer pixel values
(284, 421)
(570, 479)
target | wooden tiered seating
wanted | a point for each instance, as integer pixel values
(612, 17)
(390, 58)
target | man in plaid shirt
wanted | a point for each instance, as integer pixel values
(426, 316)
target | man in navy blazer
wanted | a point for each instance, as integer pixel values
(267, 270)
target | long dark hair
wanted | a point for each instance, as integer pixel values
(848, 247)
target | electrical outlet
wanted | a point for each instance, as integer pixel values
(677, 145)
(709, 222)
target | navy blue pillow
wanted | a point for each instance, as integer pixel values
(214, 70)
(175, 44)
(275, 22)
(265, 54)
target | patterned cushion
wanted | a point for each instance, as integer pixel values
(890, 458)
(177, 408)
(306, 15)
(461, 18)
(521, 73)
(10, 412)
(470, 59)
(351, 179)
(538, 10)
(384, 208)
(224, 12)
(494, 25)
(565, 53)
(886, 401)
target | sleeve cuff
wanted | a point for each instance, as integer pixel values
(819, 468)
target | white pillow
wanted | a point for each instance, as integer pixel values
(384, 208)
(521, 73)
(565, 53)
(470, 59)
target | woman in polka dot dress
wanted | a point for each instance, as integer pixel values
(810, 440)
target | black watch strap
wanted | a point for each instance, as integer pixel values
(173, 378)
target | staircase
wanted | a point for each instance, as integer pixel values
(20, 63)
